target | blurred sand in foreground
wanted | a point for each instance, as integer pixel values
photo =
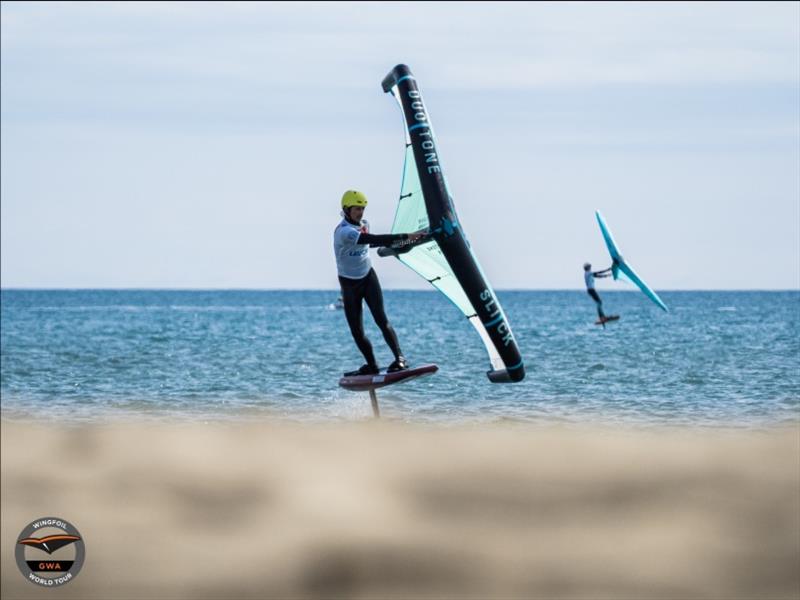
(391, 510)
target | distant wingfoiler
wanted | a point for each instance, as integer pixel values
(444, 258)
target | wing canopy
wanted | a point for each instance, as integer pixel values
(620, 265)
(446, 260)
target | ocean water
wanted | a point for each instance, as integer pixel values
(718, 359)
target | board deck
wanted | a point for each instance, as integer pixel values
(362, 383)
(607, 319)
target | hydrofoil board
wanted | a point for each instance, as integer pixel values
(362, 383)
(607, 319)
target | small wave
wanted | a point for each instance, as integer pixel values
(727, 309)
(216, 308)
(96, 308)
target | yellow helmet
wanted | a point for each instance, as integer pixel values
(353, 198)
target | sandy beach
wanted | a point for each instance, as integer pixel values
(392, 510)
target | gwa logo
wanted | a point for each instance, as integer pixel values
(51, 536)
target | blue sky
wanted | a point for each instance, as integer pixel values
(207, 145)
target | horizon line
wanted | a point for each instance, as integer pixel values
(336, 290)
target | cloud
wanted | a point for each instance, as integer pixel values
(468, 45)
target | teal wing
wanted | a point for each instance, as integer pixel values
(621, 266)
(609, 239)
(427, 259)
(444, 256)
(631, 274)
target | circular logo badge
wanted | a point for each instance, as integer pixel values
(50, 552)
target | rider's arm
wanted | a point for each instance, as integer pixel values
(388, 239)
(379, 240)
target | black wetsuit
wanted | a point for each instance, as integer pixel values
(368, 288)
(596, 297)
(589, 278)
